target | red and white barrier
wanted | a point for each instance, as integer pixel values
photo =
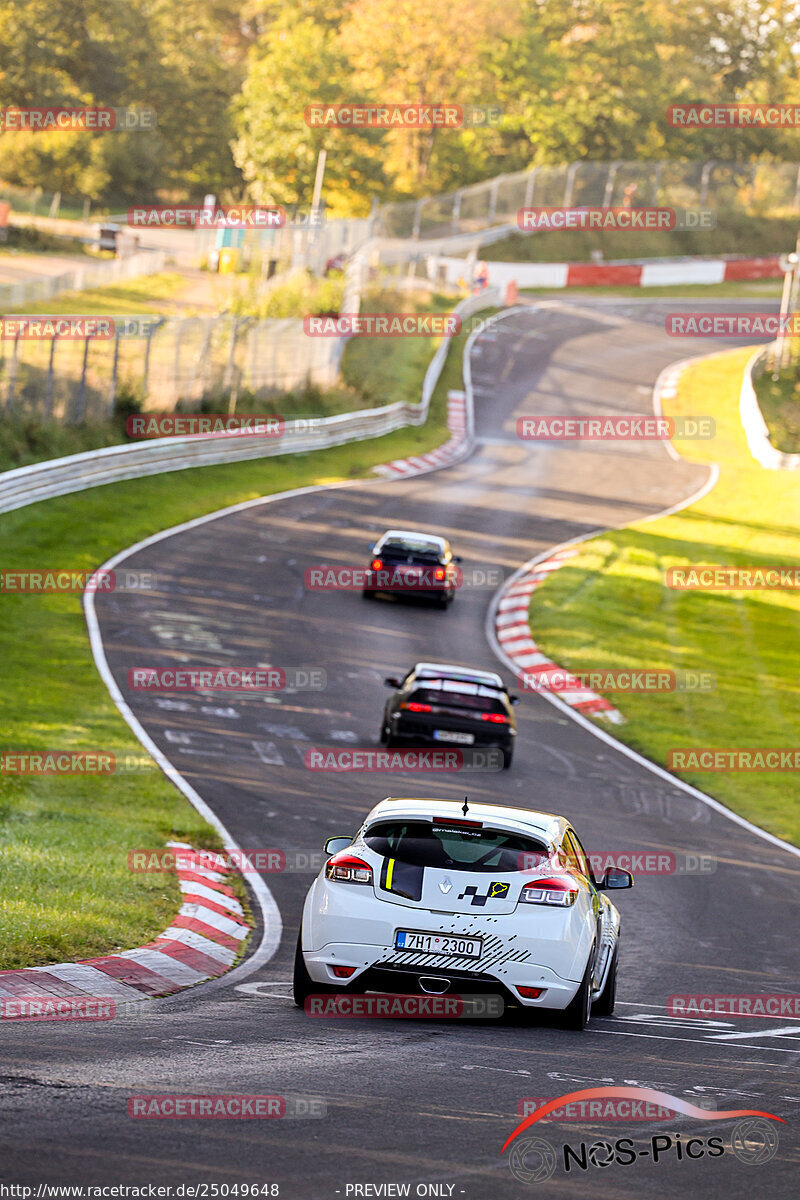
(662, 273)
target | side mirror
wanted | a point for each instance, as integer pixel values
(513, 699)
(334, 844)
(392, 681)
(457, 558)
(615, 878)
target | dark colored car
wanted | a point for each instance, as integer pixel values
(440, 705)
(413, 564)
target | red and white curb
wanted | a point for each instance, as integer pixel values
(658, 273)
(536, 672)
(202, 942)
(443, 456)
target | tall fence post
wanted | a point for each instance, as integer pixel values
(456, 215)
(572, 171)
(611, 177)
(12, 376)
(48, 389)
(80, 401)
(112, 391)
(705, 178)
(530, 183)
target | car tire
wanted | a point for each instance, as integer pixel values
(303, 985)
(604, 1004)
(508, 756)
(368, 593)
(443, 601)
(383, 736)
(576, 1014)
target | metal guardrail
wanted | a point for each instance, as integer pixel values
(61, 476)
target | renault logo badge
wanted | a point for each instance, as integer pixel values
(445, 886)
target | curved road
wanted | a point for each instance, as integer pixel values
(422, 1102)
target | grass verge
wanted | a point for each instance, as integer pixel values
(609, 607)
(66, 890)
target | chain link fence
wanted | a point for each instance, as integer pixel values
(166, 363)
(754, 188)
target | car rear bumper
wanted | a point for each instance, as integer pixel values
(380, 974)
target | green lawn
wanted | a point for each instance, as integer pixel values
(609, 607)
(65, 888)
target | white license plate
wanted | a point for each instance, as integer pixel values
(447, 735)
(437, 943)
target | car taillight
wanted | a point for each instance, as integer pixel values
(345, 868)
(529, 993)
(343, 972)
(439, 573)
(377, 564)
(496, 718)
(413, 706)
(558, 893)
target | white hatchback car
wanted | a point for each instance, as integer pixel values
(427, 898)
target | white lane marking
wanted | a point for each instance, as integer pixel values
(502, 1070)
(269, 754)
(661, 1037)
(173, 705)
(230, 713)
(661, 1019)
(178, 736)
(741, 1037)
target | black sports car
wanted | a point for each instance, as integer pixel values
(436, 704)
(413, 564)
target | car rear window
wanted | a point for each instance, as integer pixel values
(477, 700)
(426, 844)
(423, 553)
